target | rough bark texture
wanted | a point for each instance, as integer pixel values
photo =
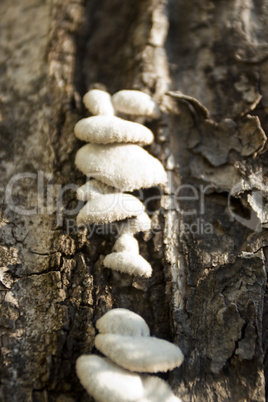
(208, 252)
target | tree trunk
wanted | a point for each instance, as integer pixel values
(206, 65)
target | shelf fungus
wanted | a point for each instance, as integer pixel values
(134, 102)
(126, 242)
(112, 129)
(140, 223)
(105, 381)
(115, 163)
(124, 166)
(122, 321)
(142, 354)
(131, 349)
(109, 208)
(125, 337)
(98, 102)
(129, 263)
(94, 189)
(125, 258)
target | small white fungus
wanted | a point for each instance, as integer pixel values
(122, 322)
(124, 166)
(157, 390)
(98, 102)
(141, 223)
(126, 242)
(128, 263)
(136, 103)
(105, 381)
(110, 129)
(142, 354)
(109, 208)
(94, 189)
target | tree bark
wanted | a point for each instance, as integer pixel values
(206, 65)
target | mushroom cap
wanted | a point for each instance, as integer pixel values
(143, 354)
(110, 129)
(105, 381)
(140, 223)
(122, 322)
(93, 189)
(126, 242)
(157, 390)
(109, 208)
(124, 166)
(98, 102)
(136, 103)
(129, 263)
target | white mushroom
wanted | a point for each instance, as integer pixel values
(122, 322)
(126, 242)
(109, 208)
(125, 257)
(143, 354)
(93, 189)
(136, 103)
(129, 263)
(110, 129)
(98, 102)
(107, 382)
(124, 166)
(157, 390)
(124, 336)
(140, 223)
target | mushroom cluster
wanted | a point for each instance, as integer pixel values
(116, 164)
(124, 338)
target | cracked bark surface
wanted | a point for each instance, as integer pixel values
(208, 289)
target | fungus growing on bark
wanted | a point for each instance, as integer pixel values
(125, 338)
(143, 354)
(94, 189)
(124, 166)
(135, 103)
(122, 322)
(125, 257)
(140, 223)
(111, 129)
(105, 381)
(126, 242)
(98, 102)
(129, 263)
(109, 208)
